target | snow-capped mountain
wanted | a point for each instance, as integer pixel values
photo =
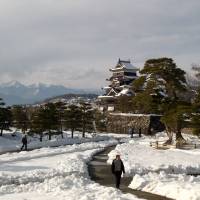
(15, 92)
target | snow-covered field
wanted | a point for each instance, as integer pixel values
(54, 173)
(12, 142)
(61, 172)
(161, 172)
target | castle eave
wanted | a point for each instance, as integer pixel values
(105, 97)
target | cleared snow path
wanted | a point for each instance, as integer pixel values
(100, 172)
(54, 173)
(163, 172)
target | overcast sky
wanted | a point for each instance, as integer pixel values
(75, 42)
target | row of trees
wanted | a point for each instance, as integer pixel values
(163, 89)
(5, 117)
(51, 119)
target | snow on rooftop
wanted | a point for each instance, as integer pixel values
(130, 77)
(127, 65)
(106, 87)
(105, 96)
(111, 108)
(125, 91)
(124, 64)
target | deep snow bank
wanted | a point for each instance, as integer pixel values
(162, 172)
(140, 158)
(176, 186)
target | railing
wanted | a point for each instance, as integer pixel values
(161, 145)
(157, 144)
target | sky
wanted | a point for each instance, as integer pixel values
(75, 42)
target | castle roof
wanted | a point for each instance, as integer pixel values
(124, 64)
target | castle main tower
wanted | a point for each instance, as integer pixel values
(123, 74)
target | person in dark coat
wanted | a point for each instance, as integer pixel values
(131, 132)
(140, 132)
(24, 142)
(117, 168)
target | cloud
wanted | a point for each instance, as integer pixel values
(74, 43)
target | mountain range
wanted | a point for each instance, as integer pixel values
(14, 92)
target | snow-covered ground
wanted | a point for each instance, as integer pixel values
(61, 172)
(161, 172)
(54, 173)
(11, 141)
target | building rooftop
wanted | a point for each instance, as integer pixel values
(126, 64)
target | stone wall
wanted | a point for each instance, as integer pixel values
(122, 122)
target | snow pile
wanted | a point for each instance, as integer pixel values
(54, 173)
(140, 158)
(179, 187)
(24, 168)
(164, 172)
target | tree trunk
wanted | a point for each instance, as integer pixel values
(170, 136)
(140, 132)
(83, 132)
(1, 133)
(72, 131)
(40, 137)
(61, 131)
(179, 138)
(49, 135)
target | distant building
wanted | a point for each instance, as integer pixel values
(123, 75)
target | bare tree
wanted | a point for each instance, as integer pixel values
(196, 68)
(192, 81)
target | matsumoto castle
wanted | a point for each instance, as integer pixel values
(123, 74)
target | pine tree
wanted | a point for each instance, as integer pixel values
(143, 102)
(100, 120)
(87, 118)
(124, 104)
(160, 85)
(174, 119)
(196, 115)
(20, 118)
(72, 118)
(5, 117)
(49, 120)
(168, 77)
(37, 123)
(60, 106)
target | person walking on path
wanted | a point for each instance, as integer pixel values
(117, 168)
(140, 132)
(24, 142)
(131, 132)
